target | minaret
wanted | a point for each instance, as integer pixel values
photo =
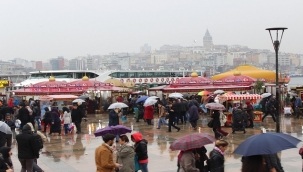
(207, 40)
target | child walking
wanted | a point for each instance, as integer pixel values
(67, 119)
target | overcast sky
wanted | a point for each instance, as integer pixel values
(35, 29)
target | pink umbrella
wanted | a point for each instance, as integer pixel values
(215, 106)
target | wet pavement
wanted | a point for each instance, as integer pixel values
(75, 152)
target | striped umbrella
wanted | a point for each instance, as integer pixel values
(192, 141)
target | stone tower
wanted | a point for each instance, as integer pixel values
(207, 40)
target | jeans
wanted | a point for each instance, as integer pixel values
(143, 167)
(27, 165)
(162, 120)
(38, 120)
(36, 168)
(66, 128)
(202, 106)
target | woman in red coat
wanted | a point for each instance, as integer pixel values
(148, 114)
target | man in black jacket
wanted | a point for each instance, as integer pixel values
(37, 115)
(23, 115)
(27, 148)
(77, 115)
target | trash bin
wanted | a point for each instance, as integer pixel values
(136, 110)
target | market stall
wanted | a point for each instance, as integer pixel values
(232, 100)
(58, 101)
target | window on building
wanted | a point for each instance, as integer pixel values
(122, 75)
(114, 75)
(141, 74)
(131, 74)
(149, 74)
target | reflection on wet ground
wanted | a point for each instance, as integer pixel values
(75, 152)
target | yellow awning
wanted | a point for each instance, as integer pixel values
(248, 70)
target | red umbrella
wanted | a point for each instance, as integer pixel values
(192, 141)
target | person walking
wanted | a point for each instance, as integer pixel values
(188, 162)
(23, 116)
(148, 114)
(67, 118)
(270, 108)
(56, 122)
(141, 150)
(113, 118)
(27, 148)
(104, 155)
(200, 157)
(250, 112)
(184, 109)
(11, 124)
(298, 105)
(193, 114)
(216, 156)
(171, 117)
(37, 115)
(77, 115)
(217, 125)
(255, 163)
(47, 118)
(125, 155)
(162, 115)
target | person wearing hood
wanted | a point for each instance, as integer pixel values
(56, 122)
(47, 118)
(27, 148)
(250, 112)
(6, 156)
(125, 155)
(193, 114)
(188, 162)
(141, 150)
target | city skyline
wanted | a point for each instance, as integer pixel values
(35, 29)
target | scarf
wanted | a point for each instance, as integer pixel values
(219, 150)
(180, 156)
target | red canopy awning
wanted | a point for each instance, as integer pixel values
(240, 97)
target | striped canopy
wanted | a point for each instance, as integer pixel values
(240, 97)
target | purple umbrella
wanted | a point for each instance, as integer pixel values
(116, 130)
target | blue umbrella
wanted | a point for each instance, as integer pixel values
(141, 99)
(266, 143)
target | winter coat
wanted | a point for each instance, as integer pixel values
(6, 157)
(250, 111)
(125, 156)
(193, 112)
(104, 159)
(184, 106)
(148, 112)
(188, 162)
(113, 118)
(140, 147)
(27, 144)
(48, 115)
(24, 115)
(11, 124)
(77, 115)
(36, 111)
(216, 161)
(216, 119)
(44, 139)
(67, 117)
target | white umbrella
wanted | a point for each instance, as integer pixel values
(215, 106)
(175, 95)
(117, 105)
(150, 101)
(78, 100)
(219, 92)
(264, 95)
(155, 97)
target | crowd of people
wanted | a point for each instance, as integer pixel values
(27, 118)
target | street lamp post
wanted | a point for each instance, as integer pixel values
(276, 45)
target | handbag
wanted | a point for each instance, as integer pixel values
(210, 123)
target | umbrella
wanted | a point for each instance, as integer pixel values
(266, 143)
(175, 95)
(264, 95)
(117, 105)
(141, 99)
(4, 128)
(203, 93)
(155, 97)
(78, 100)
(215, 106)
(192, 141)
(116, 130)
(150, 101)
(219, 92)
(83, 97)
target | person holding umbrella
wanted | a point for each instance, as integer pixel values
(77, 115)
(216, 156)
(188, 161)
(113, 117)
(125, 155)
(148, 114)
(193, 114)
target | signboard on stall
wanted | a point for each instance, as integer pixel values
(4, 83)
